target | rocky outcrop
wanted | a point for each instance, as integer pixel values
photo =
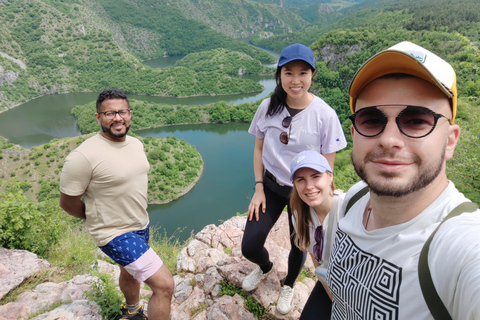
(213, 257)
(68, 294)
(7, 77)
(16, 266)
(17, 61)
(334, 55)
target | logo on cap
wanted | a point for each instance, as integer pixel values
(419, 56)
(300, 159)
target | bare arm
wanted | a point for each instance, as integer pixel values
(73, 205)
(330, 158)
(259, 196)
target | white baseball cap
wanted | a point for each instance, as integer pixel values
(407, 58)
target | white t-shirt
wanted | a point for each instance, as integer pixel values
(317, 127)
(113, 178)
(330, 225)
(374, 274)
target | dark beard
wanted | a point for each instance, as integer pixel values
(425, 177)
(109, 132)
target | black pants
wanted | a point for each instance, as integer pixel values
(256, 232)
(318, 306)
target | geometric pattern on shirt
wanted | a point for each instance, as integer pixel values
(128, 247)
(363, 285)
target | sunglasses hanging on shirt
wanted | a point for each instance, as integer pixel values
(285, 136)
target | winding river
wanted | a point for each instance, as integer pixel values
(227, 150)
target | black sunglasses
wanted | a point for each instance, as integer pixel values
(412, 121)
(285, 136)
(318, 246)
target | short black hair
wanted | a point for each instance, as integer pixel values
(111, 94)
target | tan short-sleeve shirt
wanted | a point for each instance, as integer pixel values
(113, 178)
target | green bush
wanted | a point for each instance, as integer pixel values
(104, 292)
(27, 225)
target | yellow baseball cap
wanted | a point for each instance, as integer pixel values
(407, 58)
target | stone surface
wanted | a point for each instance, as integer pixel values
(78, 310)
(46, 295)
(16, 266)
(214, 255)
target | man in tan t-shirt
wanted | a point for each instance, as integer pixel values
(110, 172)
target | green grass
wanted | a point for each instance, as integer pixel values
(306, 273)
(230, 289)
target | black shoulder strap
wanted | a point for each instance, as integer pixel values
(355, 198)
(434, 303)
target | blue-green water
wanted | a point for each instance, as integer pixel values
(225, 186)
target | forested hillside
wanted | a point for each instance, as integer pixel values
(70, 46)
(424, 15)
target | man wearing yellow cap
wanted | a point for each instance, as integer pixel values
(404, 101)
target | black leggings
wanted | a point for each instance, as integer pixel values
(318, 306)
(256, 232)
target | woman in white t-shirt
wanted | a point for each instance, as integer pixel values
(290, 121)
(316, 210)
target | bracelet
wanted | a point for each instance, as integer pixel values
(259, 181)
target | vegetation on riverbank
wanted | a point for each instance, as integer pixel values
(224, 61)
(147, 115)
(175, 167)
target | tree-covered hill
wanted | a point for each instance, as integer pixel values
(421, 15)
(177, 31)
(175, 166)
(224, 61)
(60, 46)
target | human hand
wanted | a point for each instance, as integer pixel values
(258, 201)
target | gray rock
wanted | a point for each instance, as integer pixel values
(16, 266)
(216, 254)
(46, 295)
(78, 310)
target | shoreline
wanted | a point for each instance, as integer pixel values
(137, 94)
(186, 189)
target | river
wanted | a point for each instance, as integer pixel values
(227, 150)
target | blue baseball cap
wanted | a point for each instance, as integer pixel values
(296, 51)
(309, 159)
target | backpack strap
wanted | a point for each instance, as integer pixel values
(355, 198)
(434, 303)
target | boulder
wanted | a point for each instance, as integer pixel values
(214, 255)
(16, 266)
